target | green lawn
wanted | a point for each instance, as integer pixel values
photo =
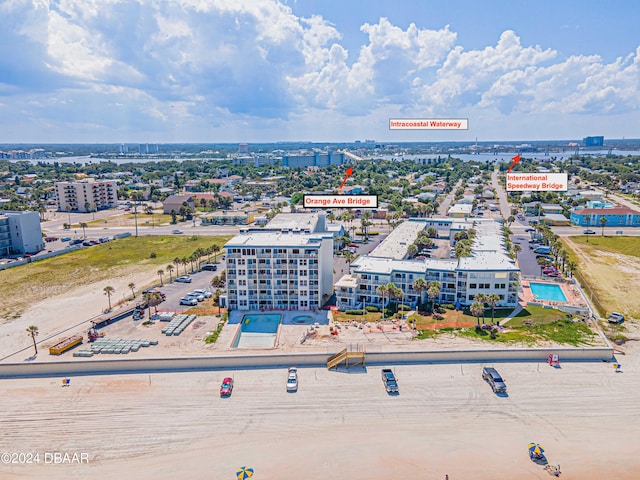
(625, 245)
(33, 282)
(530, 326)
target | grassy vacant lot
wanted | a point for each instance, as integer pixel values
(23, 285)
(611, 267)
(129, 220)
(530, 326)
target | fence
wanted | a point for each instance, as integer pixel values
(589, 291)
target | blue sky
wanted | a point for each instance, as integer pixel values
(319, 70)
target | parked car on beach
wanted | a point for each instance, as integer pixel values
(227, 387)
(493, 378)
(292, 380)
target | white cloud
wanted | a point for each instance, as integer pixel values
(197, 65)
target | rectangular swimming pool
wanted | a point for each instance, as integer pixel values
(257, 330)
(547, 291)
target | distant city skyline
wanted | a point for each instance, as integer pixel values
(261, 71)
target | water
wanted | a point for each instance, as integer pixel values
(257, 330)
(547, 291)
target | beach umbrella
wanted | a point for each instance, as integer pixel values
(244, 472)
(535, 449)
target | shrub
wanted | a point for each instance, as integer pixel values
(372, 234)
(448, 306)
(153, 255)
(354, 312)
(372, 308)
(404, 308)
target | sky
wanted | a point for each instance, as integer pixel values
(218, 71)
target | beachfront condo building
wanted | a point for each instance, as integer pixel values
(488, 270)
(20, 232)
(287, 265)
(87, 195)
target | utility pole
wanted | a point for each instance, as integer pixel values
(135, 214)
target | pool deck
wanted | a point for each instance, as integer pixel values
(570, 291)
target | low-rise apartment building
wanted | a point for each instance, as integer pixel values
(488, 270)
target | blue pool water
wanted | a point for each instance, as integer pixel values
(547, 291)
(257, 330)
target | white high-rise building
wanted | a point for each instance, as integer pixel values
(20, 232)
(286, 266)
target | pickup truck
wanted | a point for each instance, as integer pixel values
(389, 380)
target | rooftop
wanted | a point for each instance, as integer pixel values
(275, 239)
(395, 245)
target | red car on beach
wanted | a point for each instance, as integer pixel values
(227, 387)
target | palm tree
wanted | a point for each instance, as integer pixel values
(160, 274)
(170, 269)
(153, 300)
(477, 309)
(349, 257)
(396, 293)
(177, 263)
(382, 290)
(510, 220)
(83, 226)
(108, 291)
(492, 300)
(603, 220)
(32, 330)
(434, 292)
(571, 266)
(420, 286)
(132, 286)
(481, 298)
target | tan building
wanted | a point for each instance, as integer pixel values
(86, 195)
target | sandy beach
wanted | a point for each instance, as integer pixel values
(446, 420)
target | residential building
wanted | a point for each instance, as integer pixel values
(317, 159)
(175, 202)
(556, 219)
(20, 232)
(619, 216)
(86, 195)
(460, 210)
(287, 265)
(228, 217)
(488, 270)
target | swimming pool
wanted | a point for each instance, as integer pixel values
(257, 330)
(547, 291)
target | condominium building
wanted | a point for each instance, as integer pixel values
(288, 265)
(488, 270)
(87, 195)
(20, 232)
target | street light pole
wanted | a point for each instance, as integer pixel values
(135, 215)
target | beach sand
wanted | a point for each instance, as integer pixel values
(445, 421)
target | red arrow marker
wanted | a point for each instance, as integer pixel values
(347, 174)
(515, 160)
